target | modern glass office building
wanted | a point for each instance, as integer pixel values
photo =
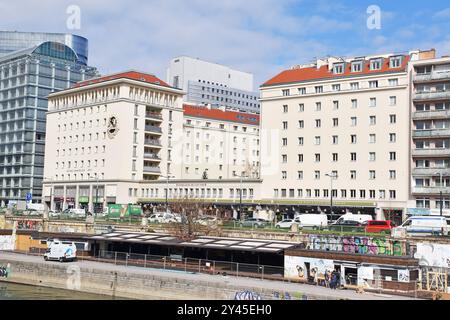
(27, 77)
(11, 41)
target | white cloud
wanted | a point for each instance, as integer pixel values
(442, 14)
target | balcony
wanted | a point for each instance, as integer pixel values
(430, 190)
(151, 156)
(433, 114)
(153, 129)
(152, 170)
(153, 142)
(154, 115)
(443, 75)
(430, 172)
(432, 95)
(431, 133)
(430, 152)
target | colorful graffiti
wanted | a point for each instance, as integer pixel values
(4, 271)
(246, 295)
(282, 295)
(360, 245)
(29, 225)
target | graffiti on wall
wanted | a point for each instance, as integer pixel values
(5, 271)
(6, 243)
(246, 295)
(301, 268)
(353, 244)
(282, 296)
(29, 225)
(433, 255)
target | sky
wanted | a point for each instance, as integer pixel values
(262, 37)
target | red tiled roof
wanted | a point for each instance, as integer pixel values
(217, 114)
(312, 73)
(133, 75)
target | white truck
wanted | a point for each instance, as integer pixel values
(361, 218)
(311, 220)
(423, 226)
(61, 251)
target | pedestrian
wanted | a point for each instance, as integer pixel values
(333, 282)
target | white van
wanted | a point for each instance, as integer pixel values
(312, 220)
(424, 225)
(361, 218)
(77, 213)
(61, 251)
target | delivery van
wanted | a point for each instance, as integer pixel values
(311, 220)
(76, 213)
(425, 225)
(61, 251)
(361, 218)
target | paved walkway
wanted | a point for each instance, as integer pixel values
(278, 286)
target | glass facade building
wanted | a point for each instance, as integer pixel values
(27, 77)
(11, 41)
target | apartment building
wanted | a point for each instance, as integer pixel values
(120, 139)
(341, 125)
(213, 84)
(430, 175)
(219, 144)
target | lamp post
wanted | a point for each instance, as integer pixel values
(440, 193)
(332, 176)
(240, 194)
(96, 194)
(167, 191)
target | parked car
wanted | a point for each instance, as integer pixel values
(285, 224)
(378, 226)
(207, 221)
(423, 226)
(162, 218)
(361, 218)
(61, 251)
(346, 226)
(53, 214)
(77, 213)
(254, 223)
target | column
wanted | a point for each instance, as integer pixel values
(91, 203)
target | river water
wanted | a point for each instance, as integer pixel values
(12, 291)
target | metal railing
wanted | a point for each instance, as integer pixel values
(152, 169)
(152, 156)
(152, 142)
(153, 129)
(153, 115)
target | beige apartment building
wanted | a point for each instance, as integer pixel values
(430, 82)
(119, 139)
(342, 123)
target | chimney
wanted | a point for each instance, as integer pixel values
(428, 54)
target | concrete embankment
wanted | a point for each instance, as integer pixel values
(140, 283)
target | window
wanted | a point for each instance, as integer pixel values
(354, 103)
(335, 157)
(354, 86)
(372, 120)
(285, 109)
(335, 122)
(392, 194)
(373, 102)
(353, 138)
(352, 174)
(300, 141)
(352, 193)
(336, 87)
(357, 66)
(335, 105)
(317, 140)
(317, 157)
(300, 175)
(285, 158)
(392, 118)
(301, 107)
(392, 156)
(343, 194)
(319, 89)
(318, 123)
(318, 106)
(392, 137)
(300, 158)
(284, 142)
(353, 156)
(375, 64)
(301, 124)
(335, 139)
(382, 194)
(393, 101)
(301, 90)
(338, 68)
(285, 125)
(373, 84)
(372, 138)
(286, 93)
(392, 174)
(317, 175)
(354, 121)
(372, 156)
(393, 82)
(395, 62)
(372, 175)
(362, 194)
(284, 175)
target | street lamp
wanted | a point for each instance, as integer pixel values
(440, 193)
(96, 193)
(240, 194)
(167, 191)
(332, 176)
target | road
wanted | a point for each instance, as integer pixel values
(277, 286)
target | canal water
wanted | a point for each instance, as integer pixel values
(12, 291)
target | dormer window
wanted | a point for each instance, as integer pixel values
(357, 66)
(338, 68)
(375, 64)
(396, 62)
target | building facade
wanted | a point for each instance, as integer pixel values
(27, 77)
(337, 128)
(120, 139)
(11, 41)
(430, 174)
(209, 83)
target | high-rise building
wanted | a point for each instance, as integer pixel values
(27, 77)
(212, 84)
(11, 41)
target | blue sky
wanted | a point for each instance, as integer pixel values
(258, 36)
